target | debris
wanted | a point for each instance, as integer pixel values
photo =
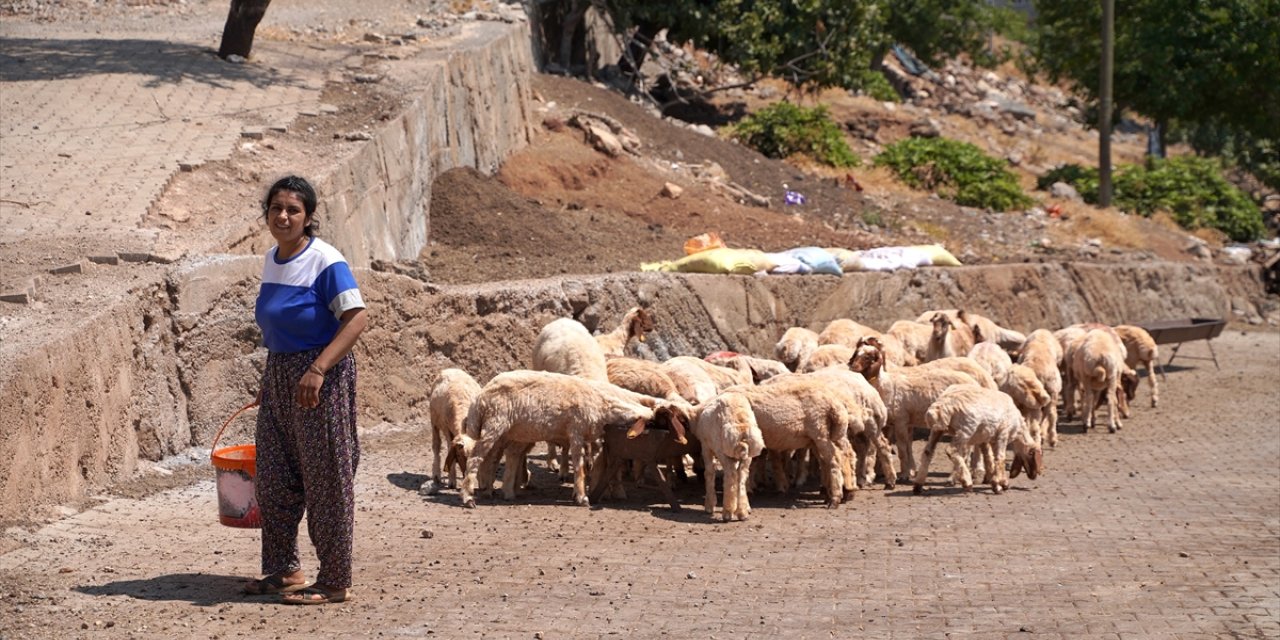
(253, 133)
(356, 136)
(672, 191)
(236, 59)
(795, 197)
(74, 267)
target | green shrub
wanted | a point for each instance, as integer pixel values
(958, 171)
(1191, 189)
(783, 129)
(875, 85)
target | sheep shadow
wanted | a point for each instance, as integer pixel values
(199, 589)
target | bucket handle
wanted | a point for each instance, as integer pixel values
(218, 437)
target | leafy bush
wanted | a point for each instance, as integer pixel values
(1191, 189)
(876, 86)
(784, 129)
(957, 170)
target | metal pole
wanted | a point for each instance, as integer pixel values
(1104, 110)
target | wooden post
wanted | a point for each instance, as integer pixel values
(1104, 110)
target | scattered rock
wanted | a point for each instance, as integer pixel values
(356, 136)
(1183, 554)
(74, 267)
(927, 128)
(672, 191)
(1065, 191)
(428, 534)
(367, 78)
(253, 133)
(236, 59)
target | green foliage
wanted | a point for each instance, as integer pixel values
(957, 170)
(1191, 61)
(784, 129)
(875, 85)
(1191, 189)
(814, 43)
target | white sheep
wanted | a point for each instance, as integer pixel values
(798, 414)
(727, 430)
(566, 346)
(993, 358)
(693, 383)
(526, 407)
(1096, 361)
(1042, 353)
(1141, 349)
(795, 346)
(907, 394)
(724, 377)
(827, 355)
(988, 419)
(648, 378)
(1023, 385)
(984, 329)
(962, 364)
(950, 337)
(913, 336)
(450, 399)
(760, 368)
(849, 333)
(635, 324)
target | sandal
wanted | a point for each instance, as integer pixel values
(272, 585)
(316, 595)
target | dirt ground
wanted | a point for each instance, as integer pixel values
(1157, 531)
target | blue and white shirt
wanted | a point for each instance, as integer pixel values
(303, 298)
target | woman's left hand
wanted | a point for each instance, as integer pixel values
(309, 390)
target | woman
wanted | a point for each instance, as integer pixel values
(311, 313)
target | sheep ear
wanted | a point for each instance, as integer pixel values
(1036, 467)
(678, 427)
(1016, 467)
(636, 429)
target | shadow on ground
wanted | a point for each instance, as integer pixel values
(200, 589)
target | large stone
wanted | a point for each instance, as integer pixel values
(1064, 191)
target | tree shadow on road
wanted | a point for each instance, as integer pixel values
(23, 59)
(200, 589)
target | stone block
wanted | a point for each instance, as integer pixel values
(104, 259)
(74, 267)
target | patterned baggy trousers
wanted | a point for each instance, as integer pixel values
(306, 462)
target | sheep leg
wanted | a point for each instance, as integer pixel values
(978, 459)
(730, 483)
(603, 471)
(922, 472)
(780, 480)
(906, 460)
(577, 449)
(829, 466)
(432, 485)
(742, 508)
(999, 479)
(1089, 400)
(800, 459)
(1051, 424)
(884, 460)
(709, 480)
(864, 469)
(553, 459)
(1113, 408)
(846, 470)
(959, 463)
(987, 458)
(513, 460)
(471, 479)
(1151, 378)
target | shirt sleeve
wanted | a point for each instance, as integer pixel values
(337, 288)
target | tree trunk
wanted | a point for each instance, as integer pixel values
(242, 21)
(577, 10)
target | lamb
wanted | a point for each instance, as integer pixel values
(914, 337)
(867, 419)
(827, 355)
(723, 377)
(693, 382)
(972, 416)
(635, 324)
(648, 378)
(1141, 350)
(1042, 353)
(992, 358)
(798, 414)
(984, 329)
(849, 333)
(795, 347)
(726, 426)
(949, 338)
(1096, 361)
(1028, 393)
(907, 394)
(565, 346)
(966, 365)
(761, 369)
(526, 407)
(450, 399)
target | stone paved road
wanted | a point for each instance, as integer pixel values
(1169, 529)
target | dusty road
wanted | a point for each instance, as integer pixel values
(1169, 529)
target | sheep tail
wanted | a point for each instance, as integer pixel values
(741, 451)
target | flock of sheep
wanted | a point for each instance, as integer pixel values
(842, 403)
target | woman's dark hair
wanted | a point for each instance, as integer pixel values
(305, 192)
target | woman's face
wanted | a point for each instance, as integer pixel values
(286, 218)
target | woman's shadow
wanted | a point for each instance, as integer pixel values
(200, 589)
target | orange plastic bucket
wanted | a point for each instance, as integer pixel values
(236, 468)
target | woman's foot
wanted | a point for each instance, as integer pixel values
(277, 583)
(317, 594)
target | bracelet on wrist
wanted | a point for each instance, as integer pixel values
(314, 369)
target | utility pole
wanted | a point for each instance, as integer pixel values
(1104, 110)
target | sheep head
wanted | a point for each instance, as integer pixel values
(1129, 383)
(868, 359)
(639, 322)
(1029, 455)
(941, 325)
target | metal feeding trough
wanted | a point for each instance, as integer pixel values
(1182, 330)
(655, 446)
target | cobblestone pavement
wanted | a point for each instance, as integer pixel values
(1168, 529)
